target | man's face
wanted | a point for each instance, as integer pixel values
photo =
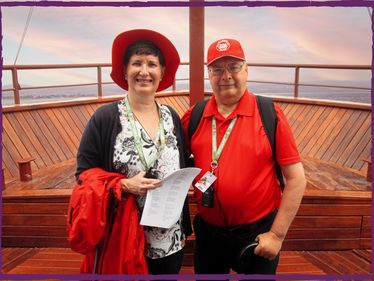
(228, 78)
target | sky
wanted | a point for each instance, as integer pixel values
(69, 35)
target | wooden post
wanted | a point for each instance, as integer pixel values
(2, 174)
(368, 171)
(99, 83)
(196, 53)
(296, 89)
(16, 87)
(24, 165)
(174, 86)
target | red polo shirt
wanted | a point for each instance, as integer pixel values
(246, 188)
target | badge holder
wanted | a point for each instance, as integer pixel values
(205, 185)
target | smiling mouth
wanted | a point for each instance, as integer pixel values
(226, 85)
(143, 80)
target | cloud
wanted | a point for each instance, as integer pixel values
(302, 35)
(332, 35)
(83, 35)
(296, 36)
(268, 34)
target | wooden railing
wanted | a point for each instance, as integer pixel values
(298, 67)
(99, 80)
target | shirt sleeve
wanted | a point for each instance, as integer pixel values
(286, 148)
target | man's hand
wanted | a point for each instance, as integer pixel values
(269, 245)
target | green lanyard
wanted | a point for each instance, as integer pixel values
(217, 153)
(137, 138)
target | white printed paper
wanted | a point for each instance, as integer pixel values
(163, 206)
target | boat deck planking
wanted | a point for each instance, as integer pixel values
(321, 175)
(50, 133)
(65, 261)
(334, 215)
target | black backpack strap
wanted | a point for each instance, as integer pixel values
(269, 120)
(196, 113)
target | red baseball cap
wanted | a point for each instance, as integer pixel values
(224, 48)
(124, 39)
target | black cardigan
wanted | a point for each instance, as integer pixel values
(96, 148)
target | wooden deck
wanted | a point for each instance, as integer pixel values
(321, 175)
(335, 210)
(331, 233)
(334, 132)
(65, 261)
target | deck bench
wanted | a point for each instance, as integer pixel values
(335, 211)
(334, 214)
(56, 176)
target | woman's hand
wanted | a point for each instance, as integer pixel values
(138, 184)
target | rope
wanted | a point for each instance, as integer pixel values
(370, 13)
(24, 32)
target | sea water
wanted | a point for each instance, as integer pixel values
(83, 92)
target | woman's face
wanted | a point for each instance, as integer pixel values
(143, 74)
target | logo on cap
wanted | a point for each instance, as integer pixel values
(223, 45)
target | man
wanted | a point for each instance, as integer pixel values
(244, 203)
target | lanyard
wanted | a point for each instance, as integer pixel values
(217, 153)
(137, 138)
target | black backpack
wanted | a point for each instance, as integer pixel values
(268, 117)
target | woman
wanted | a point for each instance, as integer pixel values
(141, 139)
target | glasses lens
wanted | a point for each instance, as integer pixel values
(216, 71)
(234, 67)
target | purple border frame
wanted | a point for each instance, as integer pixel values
(337, 3)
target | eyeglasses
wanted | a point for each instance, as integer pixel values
(233, 67)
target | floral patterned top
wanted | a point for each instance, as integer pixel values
(160, 242)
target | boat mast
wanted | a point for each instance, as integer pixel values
(196, 51)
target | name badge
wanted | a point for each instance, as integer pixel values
(206, 180)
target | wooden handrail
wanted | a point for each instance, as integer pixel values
(99, 66)
(93, 100)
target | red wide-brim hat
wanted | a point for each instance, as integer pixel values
(124, 39)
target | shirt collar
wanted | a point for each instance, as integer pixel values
(245, 107)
